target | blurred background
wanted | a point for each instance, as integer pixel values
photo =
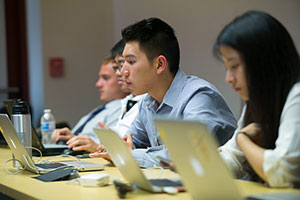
(51, 50)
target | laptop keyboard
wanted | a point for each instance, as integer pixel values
(165, 183)
(51, 165)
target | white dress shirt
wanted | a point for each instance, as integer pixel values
(126, 118)
(281, 165)
(109, 116)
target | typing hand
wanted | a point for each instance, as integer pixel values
(171, 165)
(82, 143)
(62, 134)
(128, 140)
(101, 153)
(102, 125)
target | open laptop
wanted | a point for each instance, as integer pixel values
(123, 160)
(21, 154)
(194, 152)
(204, 174)
(46, 149)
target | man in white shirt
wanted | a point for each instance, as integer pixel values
(126, 113)
(82, 135)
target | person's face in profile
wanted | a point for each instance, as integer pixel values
(235, 71)
(119, 61)
(139, 73)
(108, 83)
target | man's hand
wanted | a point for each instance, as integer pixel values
(101, 153)
(82, 143)
(103, 126)
(171, 165)
(128, 140)
(62, 134)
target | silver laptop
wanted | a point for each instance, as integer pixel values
(18, 149)
(128, 166)
(46, 149)
(194, 152)
(203, 172)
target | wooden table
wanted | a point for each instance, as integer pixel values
(23, 186)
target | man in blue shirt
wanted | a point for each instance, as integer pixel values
(152, 66)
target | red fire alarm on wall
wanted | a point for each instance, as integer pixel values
(56, 67)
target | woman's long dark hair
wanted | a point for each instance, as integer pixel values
(272, 67)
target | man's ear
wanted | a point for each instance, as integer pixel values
(161, 64)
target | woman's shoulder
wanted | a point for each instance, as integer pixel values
(292, 103)
(294, 92)
(296, 87)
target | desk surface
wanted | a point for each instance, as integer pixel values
(22, 186)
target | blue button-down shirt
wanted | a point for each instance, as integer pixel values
(188, 98)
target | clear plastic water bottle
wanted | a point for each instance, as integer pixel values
(47, 126)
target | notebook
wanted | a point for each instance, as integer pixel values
(123, 160)
(18, 149)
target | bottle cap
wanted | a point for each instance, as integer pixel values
(47, 110)
(20, 109)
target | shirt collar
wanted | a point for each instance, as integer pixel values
(175, 89)
(128, 97)
(131, 97)
(112, 103)
(171, 95)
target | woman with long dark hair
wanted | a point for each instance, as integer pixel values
(263, 67)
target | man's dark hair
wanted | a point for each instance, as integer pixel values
(117, 49)
(155, 38)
